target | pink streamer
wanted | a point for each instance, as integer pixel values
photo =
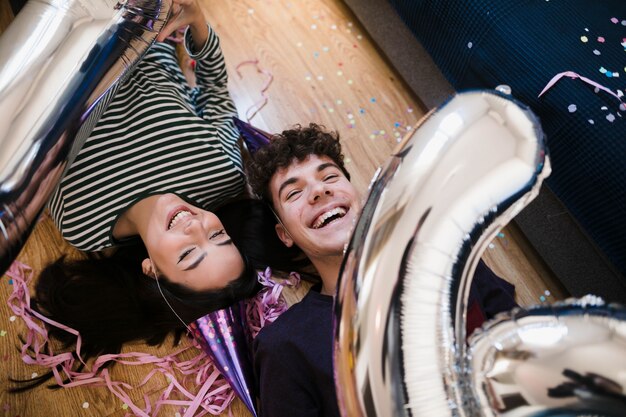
(263, 101)
(214, 395)
(573, 75)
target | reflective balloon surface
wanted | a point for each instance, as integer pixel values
(563, 360)
(400, 308)
(61, 62)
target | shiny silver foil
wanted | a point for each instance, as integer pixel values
(467, 170)
(61, 61)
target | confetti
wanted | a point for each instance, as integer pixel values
(382, 132)
(250, 11)
(331, 110)
(600, 39)
(34, 375)
(348, 160)
(349, 24)
(591, 121)
(397, 134)
(359, 37)
(571, 108)
(325, 49)
(334, 27)
(339, 102)
(500, 235)
(614, 20)
(320, 77)
(610, 117)
(124, 406)
(308, 78)
(3, 333)
(604, 108)
(547, 293)
(350, 82)
(10, 282)
(396, 124)
(350, 116)
(340, 73)
(584, 39)
(622, 107)
(542, 298)
(362, 110)
(313, 26)
(491, 246)
(469, 45)
(372, 136)
(596, 52)
(12, 318)
(299, 44)
(409, 110)
(316, 54)
(373, 99)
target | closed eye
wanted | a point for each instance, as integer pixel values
(330, 177)
(216, 234)
(292, 194)
(184, 255)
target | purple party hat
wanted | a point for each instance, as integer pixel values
(254, 137)
(222, 336)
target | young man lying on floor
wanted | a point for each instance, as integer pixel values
(301, 174)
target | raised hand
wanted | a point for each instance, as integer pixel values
(186, 13)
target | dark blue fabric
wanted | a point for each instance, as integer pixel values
(523, 44)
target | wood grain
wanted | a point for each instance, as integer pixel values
(326, 70)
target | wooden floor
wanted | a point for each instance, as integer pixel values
(325, 69)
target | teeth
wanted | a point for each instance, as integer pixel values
(322, 219)
(180, 215)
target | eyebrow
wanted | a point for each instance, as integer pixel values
(292, 180)
(201, 258)
(195, 263)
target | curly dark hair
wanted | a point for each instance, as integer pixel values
(297, 143)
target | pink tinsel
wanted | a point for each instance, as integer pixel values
(214, 395)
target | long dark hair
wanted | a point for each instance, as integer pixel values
(110, 301)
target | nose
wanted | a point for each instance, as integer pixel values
(319, 191)
(193, 225)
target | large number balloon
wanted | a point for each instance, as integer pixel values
(400, 309)
(568, 359)
(61, 61)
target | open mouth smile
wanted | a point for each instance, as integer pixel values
(329, 217)
(177, 215)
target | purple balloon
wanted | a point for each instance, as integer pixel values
(222, 336)
(254, 137)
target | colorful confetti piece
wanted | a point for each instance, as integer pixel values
(547, 293)
(469, 45)
(591, 122)
(373, 99)
(12, 318)
(85, 405)
(350, 82)
(491, 246)
(610, 117)
(600, 39)
(313, 26)
(614, 20)
(124, 406)
(596, 52)
(347, 160)
(3, 333)
(584, 39)
(571, 108)
(542, 298)
(34, 375)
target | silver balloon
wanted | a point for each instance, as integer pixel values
(401, 303)
(61, 62)
(563, 360)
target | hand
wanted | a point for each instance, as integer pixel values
(186, 13)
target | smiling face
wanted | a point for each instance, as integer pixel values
(190, 246)
(316, 204)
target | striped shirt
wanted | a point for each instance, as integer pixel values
(157, 136)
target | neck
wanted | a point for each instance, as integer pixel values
(134, 221)
(328, 268)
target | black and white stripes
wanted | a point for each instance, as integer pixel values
(158, 135)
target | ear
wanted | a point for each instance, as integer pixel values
(283, 235)
(148, 268)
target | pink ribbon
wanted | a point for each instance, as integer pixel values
(573, 75)
(257, 106)
(214, 395)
